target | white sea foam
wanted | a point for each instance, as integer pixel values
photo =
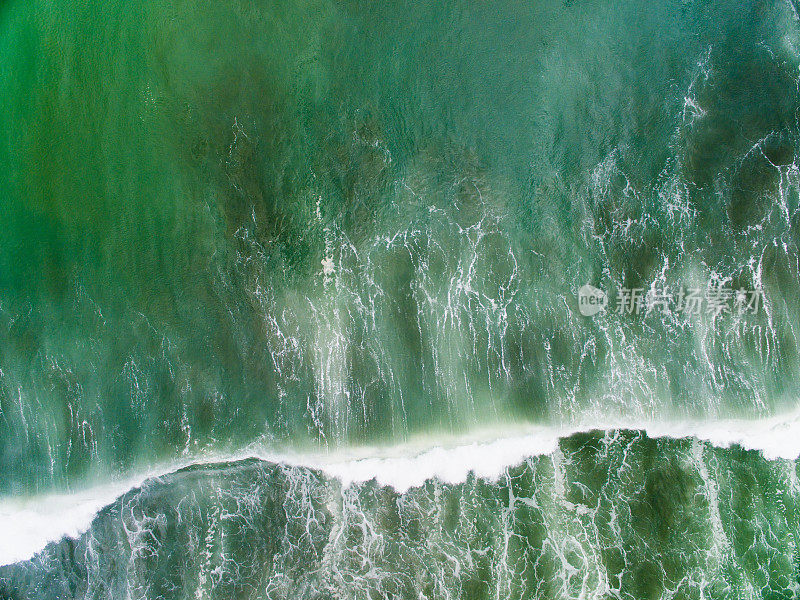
(27, 525)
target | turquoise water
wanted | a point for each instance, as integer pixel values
(318, 226)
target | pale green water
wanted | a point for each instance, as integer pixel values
(319, 224)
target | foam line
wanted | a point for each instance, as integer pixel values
(27, 525)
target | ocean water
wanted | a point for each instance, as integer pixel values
(290, 299)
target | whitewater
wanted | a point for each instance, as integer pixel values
(32, 523)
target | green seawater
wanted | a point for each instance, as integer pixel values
(315, 225)
(605, 516)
